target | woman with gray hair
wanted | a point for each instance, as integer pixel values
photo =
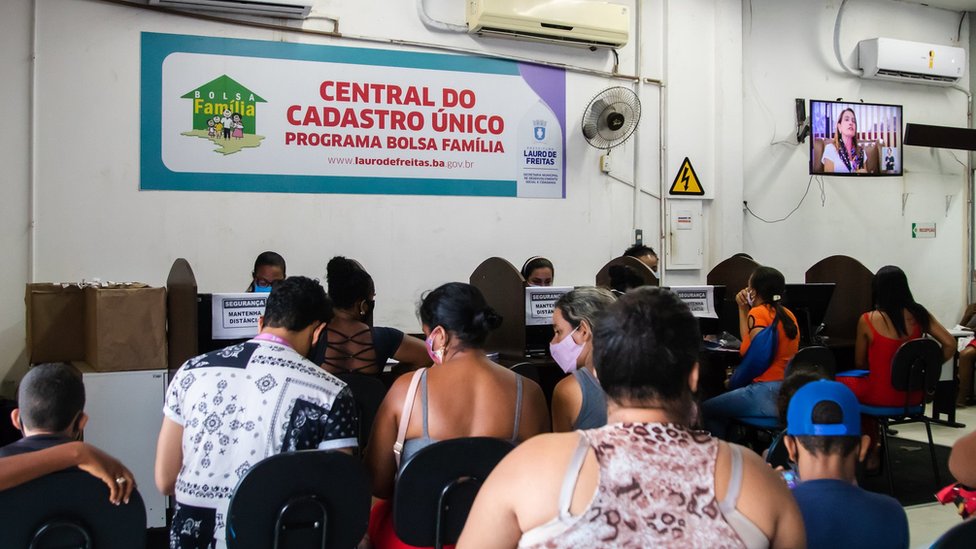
(578, 402)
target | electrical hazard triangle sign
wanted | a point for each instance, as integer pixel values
(686, 181)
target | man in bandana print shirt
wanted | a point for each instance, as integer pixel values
(229, 409)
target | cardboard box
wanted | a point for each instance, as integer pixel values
(125, 328)
(55, 323)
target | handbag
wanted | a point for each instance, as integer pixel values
(758, 358)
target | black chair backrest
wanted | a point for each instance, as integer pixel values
(311, 498)
(960, 536)
(821, 357)
(527, 370)
(777, 455)
(368, 392)
(69, 509)
(916, 366)
(437, 486)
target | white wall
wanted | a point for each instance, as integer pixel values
(15, 51)
(788, 53)
(724, 64)
(92, 220)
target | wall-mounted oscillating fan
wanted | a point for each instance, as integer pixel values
(611, 117)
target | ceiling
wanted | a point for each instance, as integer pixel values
(954, 5)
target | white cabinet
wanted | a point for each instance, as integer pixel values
(125, 410)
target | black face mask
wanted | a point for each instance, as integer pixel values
(316, 351)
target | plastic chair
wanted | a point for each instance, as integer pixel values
(777, 454)
(368, 392)
(527, 370)
(306, 499)
(70, 509)
(437, 487)
(915, 367)
(815, 355)
(960, 536)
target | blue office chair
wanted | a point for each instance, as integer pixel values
(70, 508)
(437, 487)
(960, 536)
(916, 366)
(306, 499)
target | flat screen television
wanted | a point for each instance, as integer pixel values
(855, 139)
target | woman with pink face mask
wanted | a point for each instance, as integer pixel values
(578, 402)
(462, 395)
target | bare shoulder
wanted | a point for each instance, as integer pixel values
(398, 391)
(567, 385)
(538, 455)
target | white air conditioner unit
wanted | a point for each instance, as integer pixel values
(291, 9)
(573, 22)
(904, 61)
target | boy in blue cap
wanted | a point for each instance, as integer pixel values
(824, 439)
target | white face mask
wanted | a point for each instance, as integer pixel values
(750, 297)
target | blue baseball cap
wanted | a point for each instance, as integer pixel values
(799, 415)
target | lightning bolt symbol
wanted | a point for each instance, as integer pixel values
(685, 177)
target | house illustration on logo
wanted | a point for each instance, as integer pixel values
(225, 112)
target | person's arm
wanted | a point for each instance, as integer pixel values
(567, 400)
(169, 456)
(742, 307)
(341, 433)
(522, 492)
(492, 522)
(16, 470)
(413, 353)
(379, 451)
(861, 343)
(768, 503)
(939, 332)
(962, 460)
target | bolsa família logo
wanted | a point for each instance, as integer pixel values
(225, 112)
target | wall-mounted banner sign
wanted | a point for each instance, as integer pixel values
(223, 114)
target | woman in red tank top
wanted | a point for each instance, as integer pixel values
(896, 318)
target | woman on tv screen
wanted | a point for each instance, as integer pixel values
(855, 139)
(844, 154)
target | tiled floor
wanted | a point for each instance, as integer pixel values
(927, 522)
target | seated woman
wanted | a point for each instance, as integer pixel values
(269, 267)
(463, 395)
(578, 402)
(351, 343)
(896, 318)
(759, 307)
(646, 479)
(538, 271)
(967, 359)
